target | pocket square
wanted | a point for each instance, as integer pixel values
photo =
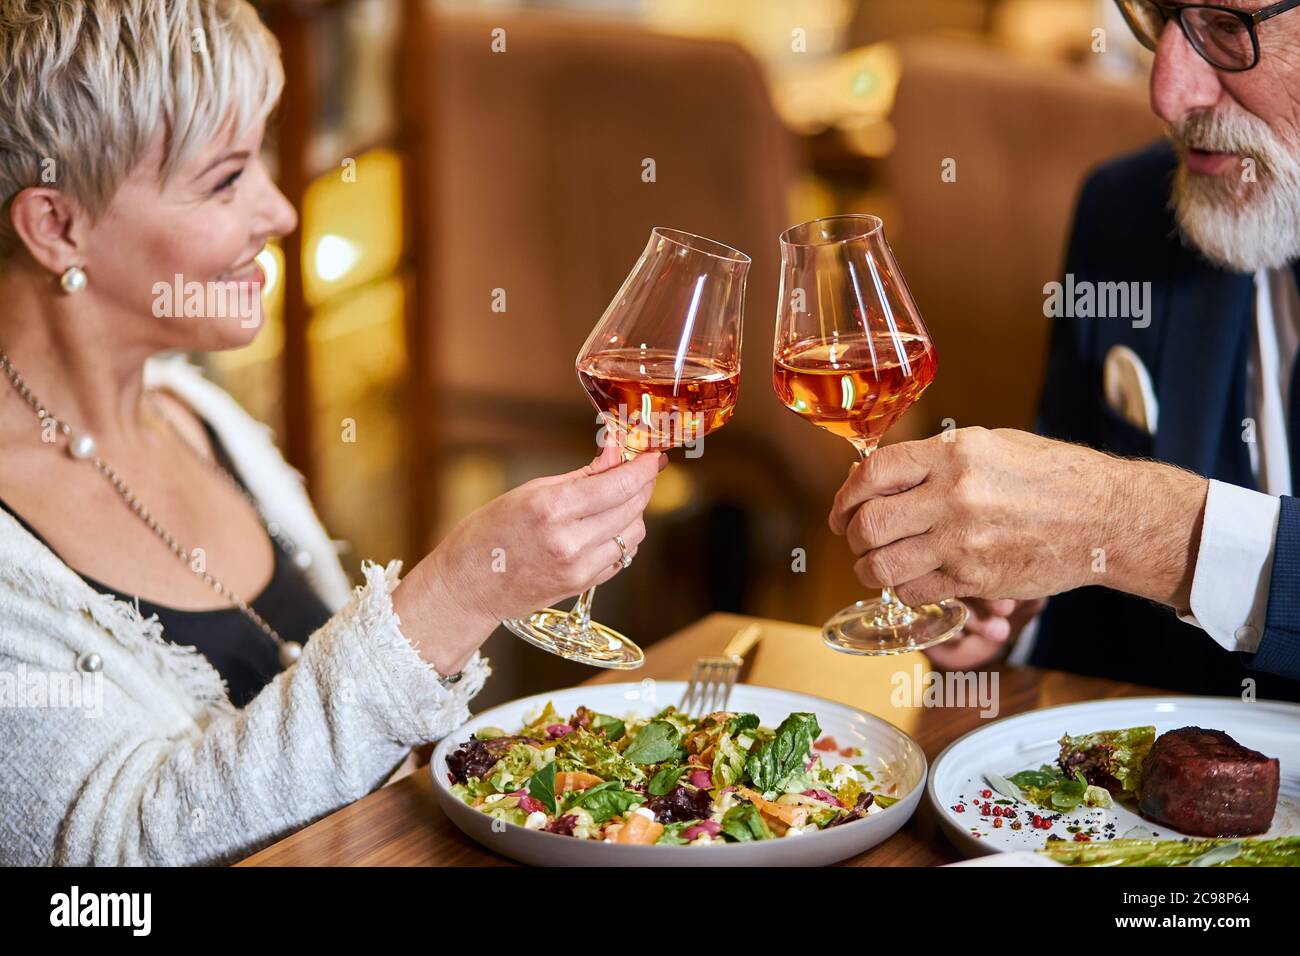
(1128, 389)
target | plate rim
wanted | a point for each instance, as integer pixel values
(965, 841)
(913, 796)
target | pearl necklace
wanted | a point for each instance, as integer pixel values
(81, 446)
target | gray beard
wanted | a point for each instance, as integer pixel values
(1242, 226)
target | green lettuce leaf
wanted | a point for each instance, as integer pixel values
(743, 823)
(583, 750)
(785, 753)
(658, 741)
(1108, 758)
(541, 786)
(606, 800)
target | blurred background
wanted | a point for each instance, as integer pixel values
(471, 178)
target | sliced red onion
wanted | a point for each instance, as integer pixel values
(702, 779)
(531, 804)
(692, 832)
(825, 796)
(558, 730)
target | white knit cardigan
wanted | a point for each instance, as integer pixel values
(165, 770)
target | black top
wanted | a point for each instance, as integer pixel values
(245, 657)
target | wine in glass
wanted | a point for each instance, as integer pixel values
(662, 367)
(851, 356)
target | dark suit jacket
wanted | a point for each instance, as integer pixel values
(1196, 346)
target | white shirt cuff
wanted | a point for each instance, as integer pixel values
(1233, 566)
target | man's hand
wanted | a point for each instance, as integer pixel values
(1009, 514)
(990, 633)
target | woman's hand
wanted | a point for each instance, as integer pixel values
(537, 544)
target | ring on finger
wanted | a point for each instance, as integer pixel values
(625, 558)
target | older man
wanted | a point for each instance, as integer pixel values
(1179, 564)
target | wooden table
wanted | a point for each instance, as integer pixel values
(402, 825)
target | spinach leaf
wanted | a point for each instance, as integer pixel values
(744, 823)
(785, 753)
(574, 798)
(665, 780)
(1045, 777)
(742, 722)
(658, 741)
(606, 800)
(612, 726)
(1069, 793)
(541, 786)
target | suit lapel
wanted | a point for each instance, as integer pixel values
(1208, 318)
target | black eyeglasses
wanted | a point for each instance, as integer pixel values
(1225, 38)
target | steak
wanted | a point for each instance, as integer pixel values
(1204, 783)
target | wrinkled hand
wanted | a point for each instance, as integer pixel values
(1009, 514)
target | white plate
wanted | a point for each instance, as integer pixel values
(892, 755)
(1027, 741)
(1012, 858)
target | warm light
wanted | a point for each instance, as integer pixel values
(673, 489)
(334, 257)
(854, 91)
(352, 226)
(269, 260)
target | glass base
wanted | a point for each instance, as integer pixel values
(600, 646)
(878, 629)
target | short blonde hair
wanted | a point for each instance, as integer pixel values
(85, 83)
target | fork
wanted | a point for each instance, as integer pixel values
(713, 677)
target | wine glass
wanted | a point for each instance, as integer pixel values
(852, 355)
(662, 367)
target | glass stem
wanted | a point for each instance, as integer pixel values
(580, 613)
(893, 612)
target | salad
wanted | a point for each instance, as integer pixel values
(668, 779)
(1090, 771)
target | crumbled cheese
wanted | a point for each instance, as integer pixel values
(645, 812)
(536, 820)
(793, 831)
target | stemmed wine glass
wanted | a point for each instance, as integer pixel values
(852, 355)
(662, 367)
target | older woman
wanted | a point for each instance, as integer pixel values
(153, 542)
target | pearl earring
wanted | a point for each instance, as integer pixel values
(73, 280)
